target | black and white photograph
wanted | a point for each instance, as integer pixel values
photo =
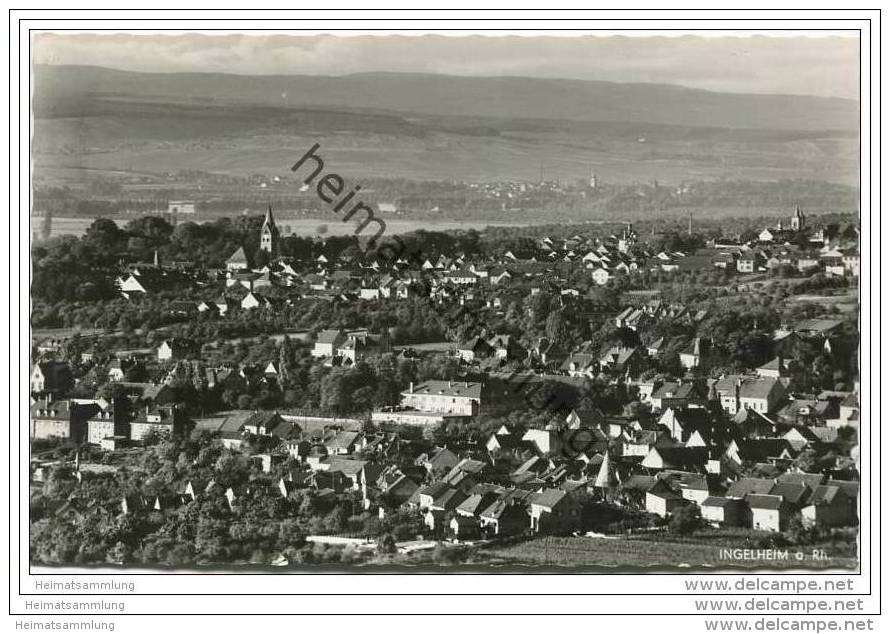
(448, 302)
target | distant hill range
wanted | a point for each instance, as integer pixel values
(443, 95)
(95, 123)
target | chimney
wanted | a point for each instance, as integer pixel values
(411, 386)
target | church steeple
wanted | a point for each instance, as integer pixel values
(798, 220)
(269, 234)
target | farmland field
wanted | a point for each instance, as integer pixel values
(665, 551)
(846, 301)
(64, 333)
(433, 127)
(434, 346)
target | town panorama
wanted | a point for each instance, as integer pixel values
(277, 331)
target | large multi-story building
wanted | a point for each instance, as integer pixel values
(761, 394)
(444, 397)
(60, 419)
(175, 207)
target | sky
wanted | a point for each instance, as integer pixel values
(814, 64)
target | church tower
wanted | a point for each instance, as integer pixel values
(269, 234)
(797, 220)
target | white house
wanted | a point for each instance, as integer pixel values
(327, 343)
(662, 500)
(445, 397)
(251, 301)
(131, 285)
(768, 512)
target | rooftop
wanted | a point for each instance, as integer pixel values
(462, 389)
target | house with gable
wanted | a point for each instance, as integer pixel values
(675, 396)
(682, 424)
(724, 511)
(579, 364)
(328, 342)
(761, 394)
(237, 261)
(172, 349)
(830, 505)
(506, 516)
(474, 349)
(59, 419)
(51, 376)
(621, 359)
(696, 354)
(554, 511)
(662, 499)
(677, 457)
(160, 419)
(769, 512)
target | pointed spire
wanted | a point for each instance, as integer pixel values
(605, 479)
(269, 234)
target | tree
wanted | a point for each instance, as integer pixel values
(335, 521)
(669, 362)
(262, 258)
(120, 554)
(231, 469)
(363, 398)
(112, 392)
(155, 230)
(72, 349)
(104, 235)
(686, 520)
(556, 327)
(804, 534)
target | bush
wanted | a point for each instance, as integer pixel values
(449, 555)
(776, 540)
(386, 545)
(804, 534)
(686, 520)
